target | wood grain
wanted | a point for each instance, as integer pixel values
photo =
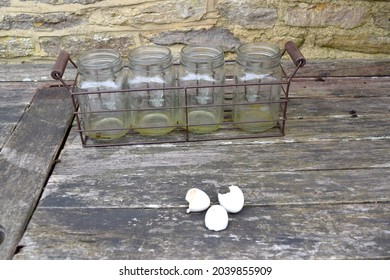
(14, 100)
(131, 189)
(26, 161)
(276, 232)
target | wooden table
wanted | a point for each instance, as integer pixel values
(320, 192)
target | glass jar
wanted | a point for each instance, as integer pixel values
(152, 106)
(201, 66)
(103, 115)
(256, 108)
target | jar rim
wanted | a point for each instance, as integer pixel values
(202, 52)
(99, 59)
(150, 55)
(259, 51)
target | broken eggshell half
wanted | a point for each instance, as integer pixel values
(233, 201)
(216, 218)
(198, 200)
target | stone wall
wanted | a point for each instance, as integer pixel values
(34, 31)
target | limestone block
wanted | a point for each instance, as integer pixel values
(12, 47)
(53, 2)
(382, 19)
(84, 2)
(5, 3)
(109, 17)
(216, 36)
(39, 21)
(365, 43)
(168, 12)
(325, 14)
(251, 14)
(75, 45)
(159, 12)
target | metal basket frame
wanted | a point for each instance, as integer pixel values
(228, 129)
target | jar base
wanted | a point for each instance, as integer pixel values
(102, 129)
(153, 124)
(255, 119)
(202, 122)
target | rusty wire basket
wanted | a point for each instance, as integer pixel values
(228, 129)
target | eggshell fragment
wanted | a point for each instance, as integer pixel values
(198, 200)
(216, 218)
(232, 201)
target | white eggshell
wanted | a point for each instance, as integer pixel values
(198, 200)
(232, 201)
(216, 218)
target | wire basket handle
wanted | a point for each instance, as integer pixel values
(295, 54)
(59, 67)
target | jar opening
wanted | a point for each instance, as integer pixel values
(266, 54)
(101, 59)
(195, 55)
(150, 56)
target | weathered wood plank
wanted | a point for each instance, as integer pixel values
(359, 231)
(26, 161)
(342, 68)
(338, 129)
(227, 157)
(303, 129)
(319, 192)
(29, 73)
(9, 117)
(340, 87)
(333, 129)
(318, 118)
(350, 159)
(312, 109)
(128, 189)
(17, 93)
(305, 104)
(337, 100)
(14, 99)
